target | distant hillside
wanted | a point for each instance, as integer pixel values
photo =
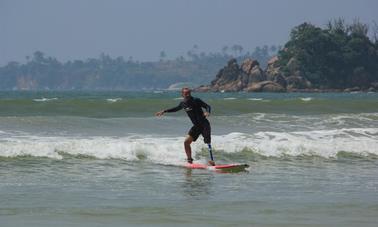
(339, 57)
(107, 73)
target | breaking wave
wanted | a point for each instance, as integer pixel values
(169, 150)
(45, 99)
(113, 100)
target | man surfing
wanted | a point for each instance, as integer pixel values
(201, 126)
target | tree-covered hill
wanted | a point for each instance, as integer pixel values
(106, 73)
(338, 56)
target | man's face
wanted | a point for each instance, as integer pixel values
(185, 93)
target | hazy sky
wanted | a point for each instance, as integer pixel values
(78, 29)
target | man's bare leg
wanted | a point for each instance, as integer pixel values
(188, 149)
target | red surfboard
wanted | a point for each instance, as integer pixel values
(219, 168)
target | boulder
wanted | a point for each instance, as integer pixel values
(248, 64)
(297, 82)
(227, 77)
(273, 87)
(252, 73)
(256, 75)
(273, 60)
(265, 86)
(272, 70)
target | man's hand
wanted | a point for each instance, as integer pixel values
(206, 114)
(160, 113)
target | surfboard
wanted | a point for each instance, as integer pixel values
(236, 167)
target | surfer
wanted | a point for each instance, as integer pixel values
(201, 126)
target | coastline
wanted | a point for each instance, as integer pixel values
(250, 77)
(307, 90)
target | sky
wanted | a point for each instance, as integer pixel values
(81, 29)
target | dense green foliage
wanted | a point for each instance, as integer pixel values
(104, 73)
(338, 56)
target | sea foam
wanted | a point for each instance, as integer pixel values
(307, 99)
(113, 100)
(44, 99)
(169, 150)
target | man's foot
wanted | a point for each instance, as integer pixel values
(212, 163)
(190, 160)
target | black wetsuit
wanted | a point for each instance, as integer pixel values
(193, 108)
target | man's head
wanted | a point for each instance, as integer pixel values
(185, 92)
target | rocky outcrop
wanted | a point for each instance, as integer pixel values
(275, 78)
(228, 78)
(273, 72)
(251, 78)
(252, 73)
(236, 78)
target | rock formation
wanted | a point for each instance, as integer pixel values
(247, 77)
(265, 86)
(251, 78)
(228, 78)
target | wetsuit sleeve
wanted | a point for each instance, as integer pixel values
(204, 105)
(174, 109)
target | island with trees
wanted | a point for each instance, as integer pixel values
(339, 57)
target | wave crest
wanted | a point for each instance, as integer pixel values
(323, 143)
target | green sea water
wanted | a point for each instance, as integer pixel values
(103, 159)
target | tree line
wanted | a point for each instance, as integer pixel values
(338, 56)
(41, 72)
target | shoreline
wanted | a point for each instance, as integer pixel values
(314, 90)
(199, 90)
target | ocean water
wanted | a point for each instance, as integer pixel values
(104, 159)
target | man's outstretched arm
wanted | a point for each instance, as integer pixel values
(174, 109)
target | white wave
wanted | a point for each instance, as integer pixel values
(113, 100)
(44, 99)
(325, 143)
(179, 98)
(230, 98)
(255, 99)
(156, 150)
(307, 99)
